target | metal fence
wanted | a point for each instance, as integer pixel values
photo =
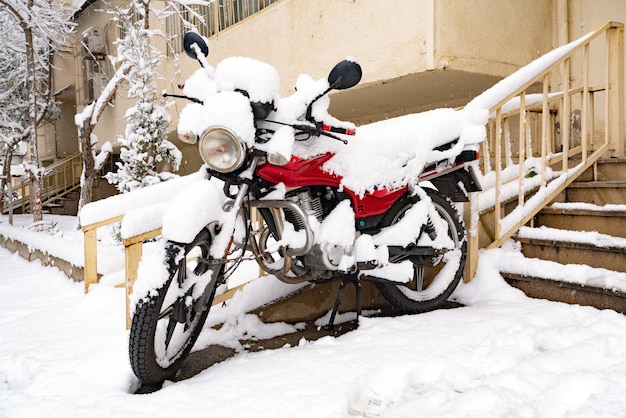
(210, 19)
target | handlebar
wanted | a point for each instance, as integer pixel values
(344, 131)
(319, 129)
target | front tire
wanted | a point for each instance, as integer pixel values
(435, 278)
(167, 323)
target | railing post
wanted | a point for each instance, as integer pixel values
(132, 256)
(471, 218)
(585, 111)
(565, 114)
(521, 154)
(615, 91)
(498, 149)
(91, 257)
(545, 131)
(91, 250)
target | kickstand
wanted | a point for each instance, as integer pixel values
(357, 287)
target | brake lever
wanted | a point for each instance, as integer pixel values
(328, 134)
(318, 130)
(311, 130)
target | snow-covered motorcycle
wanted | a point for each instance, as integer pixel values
(335, 201)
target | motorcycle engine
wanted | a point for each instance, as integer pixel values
(318, 202)
(310, 199)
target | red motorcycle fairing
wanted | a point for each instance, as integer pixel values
(299, 172)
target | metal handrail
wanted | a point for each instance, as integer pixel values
(59, 179)
(552, 144)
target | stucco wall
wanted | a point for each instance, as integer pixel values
(311, 36)
(392, 39)
(491, 37)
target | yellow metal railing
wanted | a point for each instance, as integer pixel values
(547, 132)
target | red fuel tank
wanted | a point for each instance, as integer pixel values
(300, 172)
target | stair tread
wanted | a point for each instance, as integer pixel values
(597, 184)
(579, 274)
(579, 209)
(571, 284)
(571, 293)
(588, 209)
(577, 238)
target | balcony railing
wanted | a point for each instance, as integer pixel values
(212, 18)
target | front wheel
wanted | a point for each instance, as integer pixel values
(167, 322)
(435, 277)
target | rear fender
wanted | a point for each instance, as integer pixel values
(458, 183)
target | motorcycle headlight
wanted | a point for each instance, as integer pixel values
(222, 150)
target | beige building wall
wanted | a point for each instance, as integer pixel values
(415, 54)
(397, 43)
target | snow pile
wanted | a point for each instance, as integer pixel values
(117, 205)
(583, 237)
(509, 259)
(65, 242)
(392, 153)
(64, 354)
(257, 79)
(589, 206)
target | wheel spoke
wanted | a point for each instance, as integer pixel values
(182, 272)
(418, 277)
(166, 312)
(171, 326)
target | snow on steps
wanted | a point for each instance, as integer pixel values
(577, 251)
(602, 184)
(582, 247)
(581, 267)
(590, 226)
(607, 219)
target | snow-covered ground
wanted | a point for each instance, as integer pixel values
(64, 354)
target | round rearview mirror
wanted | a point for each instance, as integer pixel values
(191, 38)
(346, 74)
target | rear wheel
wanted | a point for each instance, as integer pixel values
(434, 276)
(167, 323)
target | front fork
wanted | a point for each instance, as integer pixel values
(224, 239)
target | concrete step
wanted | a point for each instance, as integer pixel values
(609, 169)
(316, 300)
(605, 219)
(574, 247)
(571, 293)
(597, 192)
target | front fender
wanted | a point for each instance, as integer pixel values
(191, 210)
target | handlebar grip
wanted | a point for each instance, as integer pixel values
(345, 131)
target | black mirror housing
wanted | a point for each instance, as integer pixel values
(191, 38)
(344, 75)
